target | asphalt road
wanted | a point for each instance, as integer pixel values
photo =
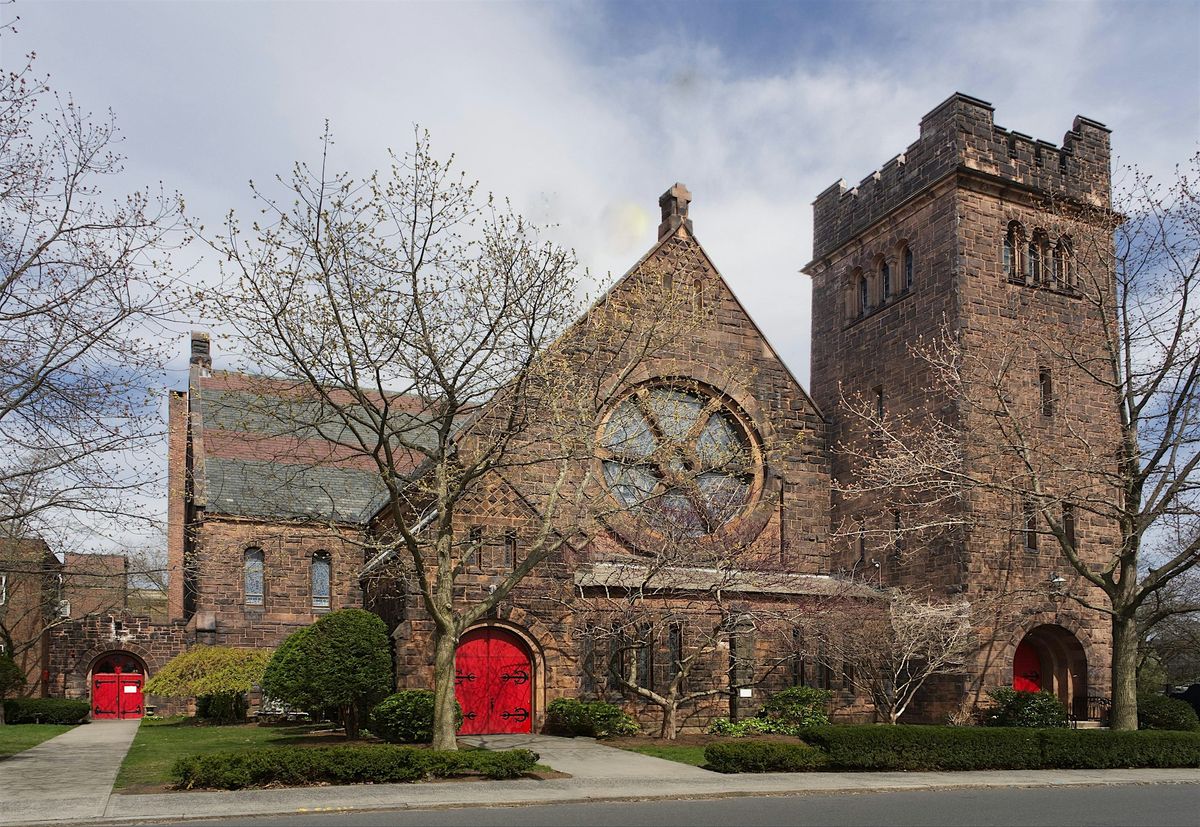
(1168, 805)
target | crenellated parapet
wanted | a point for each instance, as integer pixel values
(960, 135)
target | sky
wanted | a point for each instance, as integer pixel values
(582, 114)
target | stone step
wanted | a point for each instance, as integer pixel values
(1088, 725)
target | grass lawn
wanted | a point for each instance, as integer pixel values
(683, 754)
(17, 737)
(159, 742)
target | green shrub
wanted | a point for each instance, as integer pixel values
(594, 719)
(356, 764)
(340, 662)
(1014, 708)
(222, 707)
(751, 726)
(1161, 712)
(798, 706)
(761, 756)
(406, 717)
(45, 711)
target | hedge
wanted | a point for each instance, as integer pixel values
(882, 748)
(1161, 712)
(45, 711)
(761, 756)
(406, 717)
(380, 763)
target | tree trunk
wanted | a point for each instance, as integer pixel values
(350, 721)
(670, 725)
(1124, 672)
(445, 719)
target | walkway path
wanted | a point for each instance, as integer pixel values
(67, 778)
(588, 760)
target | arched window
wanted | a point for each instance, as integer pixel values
(1012, 244)
(885, 279)
(252, 575)
(1036, 267)
(864, 294)
(1062, 264)
(322, 574)
(698, 296)
(908, 268)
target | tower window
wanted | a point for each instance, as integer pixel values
(1068, 523)
(322, 575)
(879, 403)
(1029, 530)
(1037, 265)
(252, 576)
(864, 295)
(1046, 386)
(1012, 245)
(1062, 264)
(885, 279)
(908, 269)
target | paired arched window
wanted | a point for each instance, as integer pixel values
(1036, 267)
(1037, 262)
(252, 576)
(322, 578)
(864, 294)
(885, 279)
(1014, 237)
(907, 258)
(880, 282)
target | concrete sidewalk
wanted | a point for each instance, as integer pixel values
(600, 773)
(68, 778)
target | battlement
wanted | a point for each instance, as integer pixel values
(960, 134)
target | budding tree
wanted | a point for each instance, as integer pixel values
(426, 331)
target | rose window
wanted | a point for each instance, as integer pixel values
(680, 460)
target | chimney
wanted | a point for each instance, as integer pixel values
(201, 350)
(674, 203)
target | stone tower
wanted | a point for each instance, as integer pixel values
(973, 232)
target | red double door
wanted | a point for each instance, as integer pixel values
(116, 695)
(1027, 668)
(494, 683)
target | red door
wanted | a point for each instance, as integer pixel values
(117, 687)
(494, 683)
(1027, 669)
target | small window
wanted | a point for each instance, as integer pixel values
(1046, 386)
(1029, 531)
(848, 676)
(474, 544)
(698, 295)
(1068, 523)
(885, 279)
(645, 657)
(252, 575)
(674, 650)
(864, 295)
(3, 589)
(1012, 244)
(862, 540)
(898, 544)
(1033, 263)
(322, 574)
(879, 409)
(510, 548)
(908, 269)
(799, 664)
(668, 282)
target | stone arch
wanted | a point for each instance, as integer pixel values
(523, 631)
(83, 666)
(1061, 664)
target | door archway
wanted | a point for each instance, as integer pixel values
(117, 679)
(493, 682)
(1051, 659)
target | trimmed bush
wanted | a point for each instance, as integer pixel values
(761, 756)
(1161, 712)
(1097, 749)
(746, 727)
(45, 711)
(383, 763)
(592, 719)
(1014, 708)
(406, 717)
(798, 706)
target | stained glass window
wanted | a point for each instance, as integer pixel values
(678, 459)
(253, 575)
(322, 570)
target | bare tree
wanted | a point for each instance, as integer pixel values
(81, 293)
(1133, 474)
(427, 333)
(892, 642)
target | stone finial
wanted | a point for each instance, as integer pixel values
(674, 203)
(201, 350)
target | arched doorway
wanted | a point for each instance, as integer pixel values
(117, 679)
(494, 682)
(1049, 658)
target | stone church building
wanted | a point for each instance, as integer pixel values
(267, 532)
